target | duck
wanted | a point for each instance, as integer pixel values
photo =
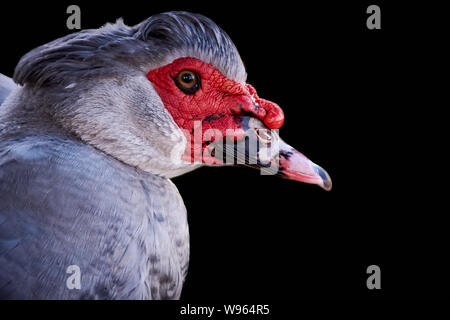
(93, 127)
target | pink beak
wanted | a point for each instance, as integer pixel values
(272, 156)
(295, 166)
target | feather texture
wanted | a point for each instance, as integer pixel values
(65, 203)
(6, 86)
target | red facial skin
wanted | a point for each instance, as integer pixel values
(215, 104)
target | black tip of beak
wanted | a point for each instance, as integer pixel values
(326, 180)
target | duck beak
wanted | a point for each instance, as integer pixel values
(263, 149)
(294, 165)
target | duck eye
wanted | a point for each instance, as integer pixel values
(188, 81)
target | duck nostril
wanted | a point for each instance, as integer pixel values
(263, 135)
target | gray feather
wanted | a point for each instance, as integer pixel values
(65, 203)
(6, 86)
(154, 42)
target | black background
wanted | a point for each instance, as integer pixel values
(355, 103)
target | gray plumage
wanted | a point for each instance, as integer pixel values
(154, 42)
(86, 150)
(6, 86)
(64, 203)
